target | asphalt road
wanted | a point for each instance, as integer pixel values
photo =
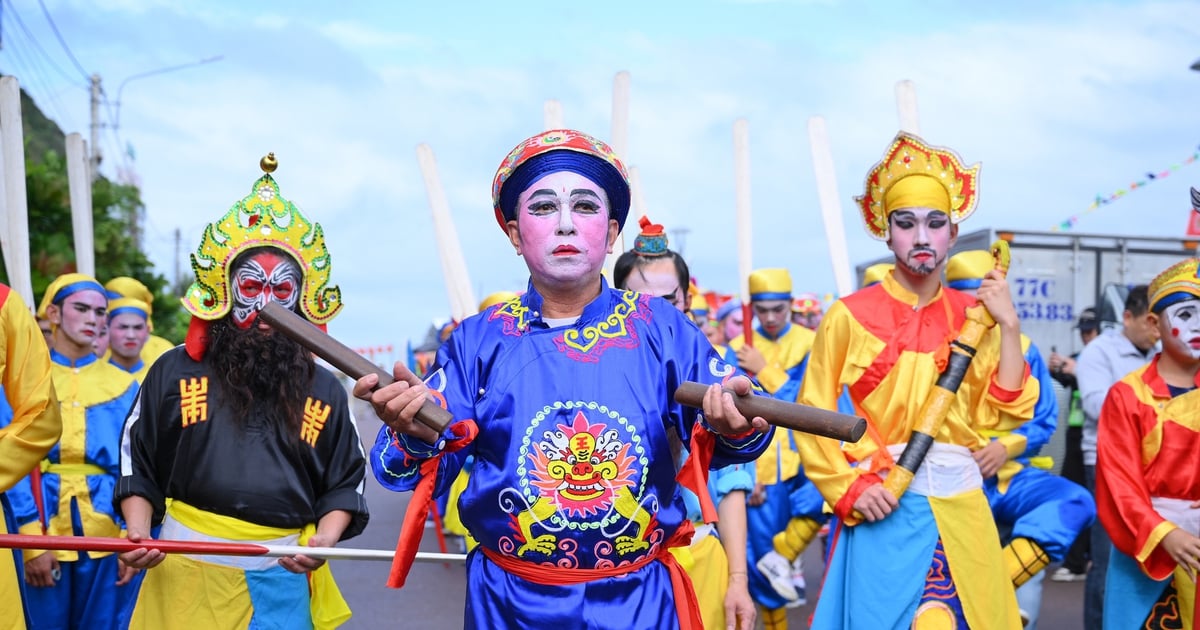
(433, 598)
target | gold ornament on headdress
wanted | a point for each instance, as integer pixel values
(262, 219)
(945, 183)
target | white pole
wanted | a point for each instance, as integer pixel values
(347, 553)
(619, 141)
(552, 115)
(80, 185)
(454, 266)
(906, 107)
(12, 147)
(741, 183)
(831, 207)
(635, 191)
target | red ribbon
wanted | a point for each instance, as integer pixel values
(693, 475)
(418, 506)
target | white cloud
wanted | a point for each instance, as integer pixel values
(1058, 107)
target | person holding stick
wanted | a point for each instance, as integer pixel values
(888, 344)
(564, 397)
(716, 559)
(1147, 486)
(238, 436)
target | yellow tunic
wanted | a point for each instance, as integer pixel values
(783, 356)
(889, 353)
(35, 425)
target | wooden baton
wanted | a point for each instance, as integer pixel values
(343, 358)
(784, 415)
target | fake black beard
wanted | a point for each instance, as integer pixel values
(265, 375)
(918, 269)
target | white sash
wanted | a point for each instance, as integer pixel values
(948, 470)
(1178, 512)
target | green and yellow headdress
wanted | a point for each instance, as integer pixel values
(914, 174)
(262, 219)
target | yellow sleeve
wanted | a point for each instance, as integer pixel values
(996, 407)
(36, 424)
(824, 462)
(772, 377)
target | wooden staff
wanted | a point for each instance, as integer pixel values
(782, 414)
(122, 545)
(343, 358)
(831, 207)
(779, 413)
(937, 406)
(741, 186)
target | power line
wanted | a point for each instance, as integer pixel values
(67, 49)
(36, 46)
(36, 75)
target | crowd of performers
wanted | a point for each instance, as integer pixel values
(590, 497)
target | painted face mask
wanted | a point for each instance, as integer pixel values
(1183, 322)
(261, 278)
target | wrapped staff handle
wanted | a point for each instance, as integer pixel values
(338, 355)
(785, 415)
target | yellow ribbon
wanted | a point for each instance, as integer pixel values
(329, 609)
(48, 466)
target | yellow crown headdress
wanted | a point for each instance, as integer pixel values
(1178, 282)
(944, 183)
(262, 219)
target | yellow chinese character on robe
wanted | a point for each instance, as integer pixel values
(193, 400)
(315, 415)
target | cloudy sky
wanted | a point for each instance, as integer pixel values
(1061, 102)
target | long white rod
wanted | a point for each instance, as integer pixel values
(741, 184)
(619, 141)
(12, 146)
(454, 266)
(552, 115)
(906, 107)
(831, 206)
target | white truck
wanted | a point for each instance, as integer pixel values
(1055, 275)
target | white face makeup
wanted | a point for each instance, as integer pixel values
(1183, 323)
(920, 238)
(564, 230)
(658, 278)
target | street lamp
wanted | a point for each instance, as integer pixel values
(150, 73)
(1196, 65)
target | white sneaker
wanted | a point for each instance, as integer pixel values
(778, 572)
(1063, 574)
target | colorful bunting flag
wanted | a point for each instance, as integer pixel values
(1104, 200)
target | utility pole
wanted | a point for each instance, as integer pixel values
(94, 161)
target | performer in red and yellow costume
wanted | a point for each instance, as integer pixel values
(930, 558)
(1147, 478)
